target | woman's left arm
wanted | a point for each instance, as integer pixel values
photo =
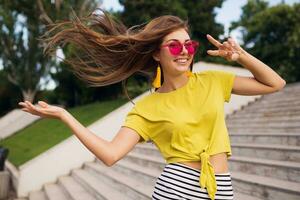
(265, 80)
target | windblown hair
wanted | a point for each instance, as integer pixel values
(105, 51)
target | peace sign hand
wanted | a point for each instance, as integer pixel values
(230, 50)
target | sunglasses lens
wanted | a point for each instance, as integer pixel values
(191, 47)
(175, 48)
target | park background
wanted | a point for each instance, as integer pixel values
(268, 30)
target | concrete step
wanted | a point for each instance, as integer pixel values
(292, 86)
(241, 196)
(262, 108)
(130, 187)
(284, 92)
(249, 114)
(145, 175)
(281, 102)
(274, 109)
(145, 160)
(283, 170)
(273, 152)
(272, 104)
(37, 195)
(95, 186)
(268, 104)
(283, 95)
(263, 122)
(262, 119)
(74, 189)
(263, 129)
(279, 98)
(255, 114)
(276, 97)
(292, 139)
(147, 149)
(265, 187)
(266, 125)
(55, 192)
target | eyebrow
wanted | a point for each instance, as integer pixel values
(177, 40)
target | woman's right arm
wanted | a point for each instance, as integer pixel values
(109, 152)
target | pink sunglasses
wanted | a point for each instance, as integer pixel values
(176, 47)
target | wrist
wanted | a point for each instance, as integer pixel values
(63, 115)
(242, 56)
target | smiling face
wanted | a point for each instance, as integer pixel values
(174, 65)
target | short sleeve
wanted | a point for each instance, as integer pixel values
(138, 123)
(225, 80)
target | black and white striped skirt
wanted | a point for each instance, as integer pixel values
(181, 182)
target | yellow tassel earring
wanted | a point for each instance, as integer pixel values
(189, 73)
(156, 83)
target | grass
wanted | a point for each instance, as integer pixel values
(46, 133)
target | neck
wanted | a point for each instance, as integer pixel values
(174, 82)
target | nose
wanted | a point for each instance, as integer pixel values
(184, 50)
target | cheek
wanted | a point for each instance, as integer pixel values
(166, 56)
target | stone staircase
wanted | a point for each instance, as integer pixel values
(132, 178)
(265, 161)
(265, 140)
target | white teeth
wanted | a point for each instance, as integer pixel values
(181, 60)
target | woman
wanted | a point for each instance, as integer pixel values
(184, 117)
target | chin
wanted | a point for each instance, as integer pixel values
(183, 68)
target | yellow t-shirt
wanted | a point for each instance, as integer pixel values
(187, 124)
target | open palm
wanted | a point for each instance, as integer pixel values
(230, 50)
(42, 109)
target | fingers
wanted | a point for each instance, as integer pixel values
(27, 103)
(235, 56)
(43, 104)
(213, 52)
(228, 49)
(212, 40)
(231, 42)
(227, 45)
(218, 53)
(21, 103)
(234, 44)
(25, 109)
(29, 107)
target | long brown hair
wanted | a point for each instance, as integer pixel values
(106, 52)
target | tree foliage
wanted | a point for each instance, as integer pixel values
(22, 57)
(273, 35)
(22, 23)
(9, 94)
